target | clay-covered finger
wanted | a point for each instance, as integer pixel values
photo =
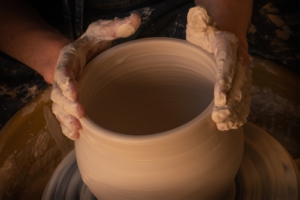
(67, 69)
(225, 125)
(219, 114)
(73, 108)
(113, 29)
(239, 96)
(69, 133)
(225, 51)
(224, 45)
(127, 26)
(235, 93)
(67, 120)
(220, 98)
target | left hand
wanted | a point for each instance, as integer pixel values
(233, 79)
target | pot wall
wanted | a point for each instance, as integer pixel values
(148, 132)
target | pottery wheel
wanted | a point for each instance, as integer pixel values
(30, 149)
(266, 172)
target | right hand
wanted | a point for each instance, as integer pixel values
(233, 75)
(71, 61)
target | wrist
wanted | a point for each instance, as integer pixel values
(47, 64)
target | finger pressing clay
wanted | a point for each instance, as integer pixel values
(71, 61)
(64, 118)
(113, 29)
(73, 108)
(233, 80)
(69, 133)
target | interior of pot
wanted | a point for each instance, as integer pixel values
(144, 89)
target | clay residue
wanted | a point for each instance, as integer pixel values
(276, 20)
(20, 169)
(268, 8)
(145, 14)
(45, 96)
(251, 29)
(28, 108)
(24, 174)
(5, 91)
(267, 67)
(233, 80)
(31, 91)
(283, 31)
(177, 25)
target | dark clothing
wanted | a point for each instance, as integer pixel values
(78, 14)
(274, 32)
(19, 84)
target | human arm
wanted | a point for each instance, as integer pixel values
(25, 36)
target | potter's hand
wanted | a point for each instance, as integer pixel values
(233, 80)
(71, 61)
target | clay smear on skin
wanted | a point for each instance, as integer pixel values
(232, 107)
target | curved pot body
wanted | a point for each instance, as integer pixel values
(148, 132)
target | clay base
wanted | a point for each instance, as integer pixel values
(267, 172)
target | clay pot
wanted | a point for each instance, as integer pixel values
(148, 132)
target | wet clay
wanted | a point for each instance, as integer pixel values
(233, 80)
(148, 132)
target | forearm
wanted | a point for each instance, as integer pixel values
(231, 15)
(25, 36)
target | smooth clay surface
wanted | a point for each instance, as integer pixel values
(148, 132)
